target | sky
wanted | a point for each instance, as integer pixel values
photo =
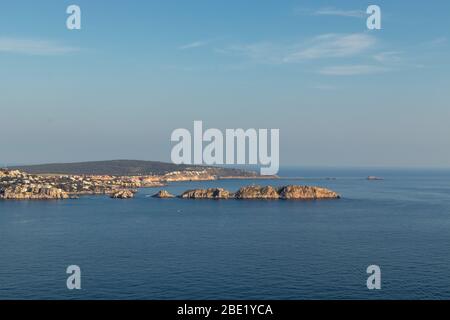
(341, 95)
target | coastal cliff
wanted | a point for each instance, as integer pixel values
(202, 175)
(17, 185)
(32, 192)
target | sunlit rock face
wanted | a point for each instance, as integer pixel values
(257, 192)
(263, 192)
(306, 192)
(32, 192)
(123, 194)
(163, 194)
(211, 193)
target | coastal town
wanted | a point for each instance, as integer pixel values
(19, 185)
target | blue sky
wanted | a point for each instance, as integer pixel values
(340, 94)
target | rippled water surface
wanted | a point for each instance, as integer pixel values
(148, 248)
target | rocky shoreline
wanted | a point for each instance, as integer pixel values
(33, 192)
(18, 185)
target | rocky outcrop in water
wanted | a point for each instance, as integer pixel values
(306, 192)
(123, 194)
(211, 193)
(263, 193)
(257, 192)
(163, 194)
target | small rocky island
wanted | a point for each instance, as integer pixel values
(123, 194)
(374, 178)
(259, 193)
(163, 194)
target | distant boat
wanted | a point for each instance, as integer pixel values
(374, 178)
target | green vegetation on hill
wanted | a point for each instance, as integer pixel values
(125, 168)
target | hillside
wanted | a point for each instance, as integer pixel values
(125, 168)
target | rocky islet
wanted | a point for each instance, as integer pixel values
(291, 192)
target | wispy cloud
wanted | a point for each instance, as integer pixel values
(262, 52)
(388, 57)
(330, 11)
(332, 46)
(33, 47)
(346, 48)
(323, 46)
(352, 70)
(192, 45)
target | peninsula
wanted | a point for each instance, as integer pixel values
(62, 181)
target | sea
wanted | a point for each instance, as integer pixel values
(149, 248)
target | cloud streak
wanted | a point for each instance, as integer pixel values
(193, 45)
(388, 57)
(333, 46)
(350, 49)
(352, 70)
(323, 46)
(330, 11)
(33, 47)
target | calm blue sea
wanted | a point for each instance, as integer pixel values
(148, 248)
